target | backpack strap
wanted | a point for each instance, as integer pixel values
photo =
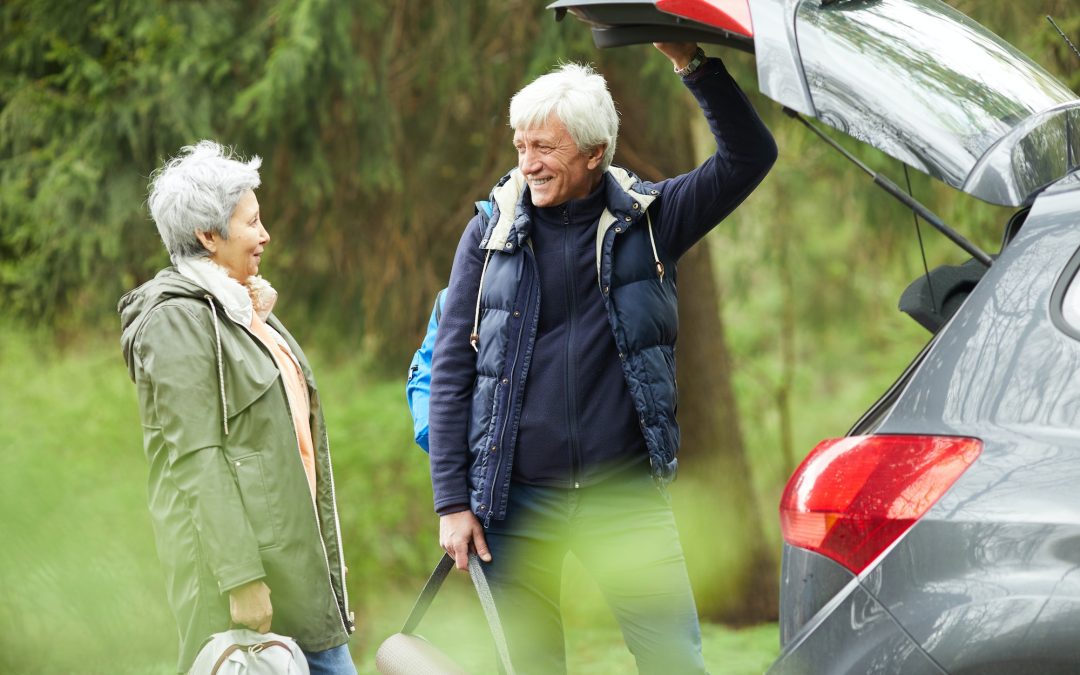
(484, 209)
(439, 298)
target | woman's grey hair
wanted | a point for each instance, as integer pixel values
(579, 97)
(197, 191)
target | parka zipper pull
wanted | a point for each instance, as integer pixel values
(656, 257)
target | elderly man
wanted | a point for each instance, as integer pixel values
(553, 389)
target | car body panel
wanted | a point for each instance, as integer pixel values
(1038, 151)
(731, 15)
(972, 594)
(988, 581)
(873, 641)
(993, 564)
(626, 22)
(992, 369)
(810, 581)
(779, 66)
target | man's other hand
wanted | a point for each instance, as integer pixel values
(456, 532)
(249, 606)
(680, 53)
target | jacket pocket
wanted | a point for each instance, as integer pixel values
(256, 497)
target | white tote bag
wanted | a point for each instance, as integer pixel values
(245, 652)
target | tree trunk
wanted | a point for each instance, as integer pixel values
(732, 567)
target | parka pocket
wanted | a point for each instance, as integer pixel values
(256, 498)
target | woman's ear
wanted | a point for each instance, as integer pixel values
(208, 239)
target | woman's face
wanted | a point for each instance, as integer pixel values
(241, 252)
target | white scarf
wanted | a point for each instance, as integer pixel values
(238, 300)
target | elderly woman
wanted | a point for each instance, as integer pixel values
(241, 491)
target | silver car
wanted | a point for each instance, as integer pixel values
(942, 535)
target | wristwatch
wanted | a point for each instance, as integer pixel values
(695, 62)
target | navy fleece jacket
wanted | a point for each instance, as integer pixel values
(578, 423)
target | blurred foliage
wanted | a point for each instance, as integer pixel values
(380, 123)
(78, 558)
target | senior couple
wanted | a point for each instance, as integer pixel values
(553, 390)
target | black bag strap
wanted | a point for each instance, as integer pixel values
(434, 583)
(483, 591)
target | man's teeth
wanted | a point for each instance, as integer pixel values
(539, 181)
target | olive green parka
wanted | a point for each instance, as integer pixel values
(228, 495)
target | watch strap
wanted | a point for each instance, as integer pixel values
(695, 62)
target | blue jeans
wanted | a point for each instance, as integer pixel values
(333, 661)
(623, 532)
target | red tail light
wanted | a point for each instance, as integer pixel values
(851, 498)
(731, 15)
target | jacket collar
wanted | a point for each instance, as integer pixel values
(238, 301)
(508, 228)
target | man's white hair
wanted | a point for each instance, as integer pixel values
(578, 96)
(197, 191)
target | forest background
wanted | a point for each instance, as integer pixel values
(379, 124)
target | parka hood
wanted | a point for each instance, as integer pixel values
(135, 306)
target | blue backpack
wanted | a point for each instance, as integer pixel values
(418, 384)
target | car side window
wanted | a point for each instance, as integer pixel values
(1065, 301)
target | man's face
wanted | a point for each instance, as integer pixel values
(557, 171)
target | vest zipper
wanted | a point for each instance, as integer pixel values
(655, 255)
(571, 379)
(502, 450)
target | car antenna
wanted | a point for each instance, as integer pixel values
(898, 194)
(1077, 52)
(1063, 35)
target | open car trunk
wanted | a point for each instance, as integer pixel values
(913, 78)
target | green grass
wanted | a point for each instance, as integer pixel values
(80, 586)
(594, 644)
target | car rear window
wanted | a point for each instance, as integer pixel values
(933, 88)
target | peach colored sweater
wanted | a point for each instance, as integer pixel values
(295, 389)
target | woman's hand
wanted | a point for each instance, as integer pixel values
(250, 606)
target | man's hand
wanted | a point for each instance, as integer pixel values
(680, 53)
(456, 532)
(249, 606)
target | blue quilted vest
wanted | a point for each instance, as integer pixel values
(638, 284)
